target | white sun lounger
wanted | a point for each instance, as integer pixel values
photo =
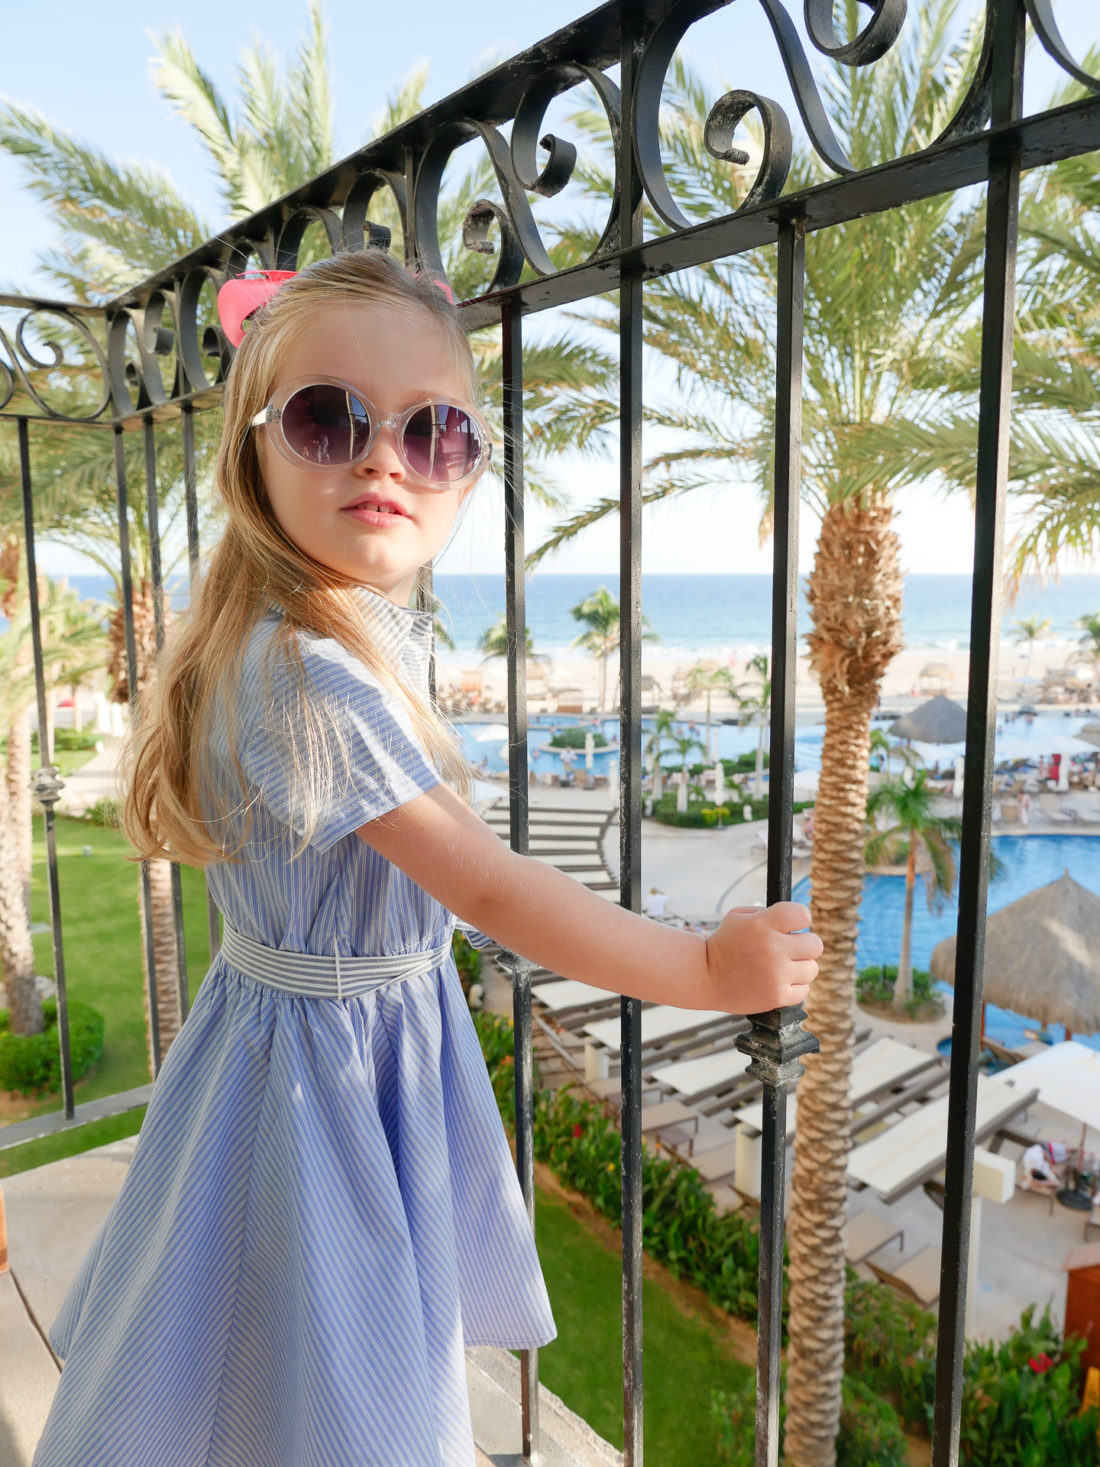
(880, 1066)
(659, 1022)
(689, 1076)
(914, 1148)
(566, 993)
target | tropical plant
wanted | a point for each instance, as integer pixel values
(756, 701)
(883, 296)
(708, 680)
(664, 723)
(494, 642)
(1028, 631)
(903, 822)
(600, 614)
(1090, 640)
(882, 746)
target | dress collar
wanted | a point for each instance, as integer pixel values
(404, 633)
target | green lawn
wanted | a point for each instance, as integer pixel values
(685, 1356)
(101, 929)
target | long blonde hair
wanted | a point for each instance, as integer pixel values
(165, 761)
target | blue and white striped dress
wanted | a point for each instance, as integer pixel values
(321, 1210)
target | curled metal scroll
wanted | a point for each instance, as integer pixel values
(293, 232)
(873, 41)
(1046, 28)
(359, 232)
(725, 116)
(18, 359)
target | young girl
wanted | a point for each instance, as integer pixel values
(321, 1211)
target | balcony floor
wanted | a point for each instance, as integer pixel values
(51, 1214)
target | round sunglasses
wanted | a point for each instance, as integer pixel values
(326, 423)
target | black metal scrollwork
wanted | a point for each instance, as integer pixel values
(19, 360)
(163, 344)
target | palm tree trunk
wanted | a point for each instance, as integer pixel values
(20, 813)
(903, 988)
(854, 593)
(758, 773)
(16, 949)
(706, 759)
(160, 872)
(164, 949)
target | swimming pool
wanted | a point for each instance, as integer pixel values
(1019, 739)
(1030, 861)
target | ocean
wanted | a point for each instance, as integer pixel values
(717, 614)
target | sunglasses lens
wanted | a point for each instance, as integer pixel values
(442, 443)
(325, 424)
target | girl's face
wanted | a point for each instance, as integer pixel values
(396, 358)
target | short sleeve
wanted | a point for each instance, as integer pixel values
(372, 759)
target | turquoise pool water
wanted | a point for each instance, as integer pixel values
(1030, 861)
(1021, 738)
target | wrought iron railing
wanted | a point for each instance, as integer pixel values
(156, 354)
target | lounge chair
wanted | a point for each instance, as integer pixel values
(1085, 810)
(867, 1232)
(1053, 809)
(918, 1278)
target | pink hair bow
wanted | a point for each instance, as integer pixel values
(242, 295)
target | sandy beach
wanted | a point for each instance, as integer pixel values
(903, 685)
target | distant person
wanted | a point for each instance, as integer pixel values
(1023, 807)
(655, 903)
(1040, 1163)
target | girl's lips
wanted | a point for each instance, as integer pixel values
(371, 515)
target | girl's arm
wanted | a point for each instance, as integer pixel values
(756, 960)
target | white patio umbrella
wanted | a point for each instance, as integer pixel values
(1068, 1077)
(719, 782)
(589, 750)
(960, 771)
(491, 733)
(806, 781)
(682, 792)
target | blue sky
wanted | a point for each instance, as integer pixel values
(87, 69)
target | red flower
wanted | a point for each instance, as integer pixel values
(1040, 1364)
(578, 1130)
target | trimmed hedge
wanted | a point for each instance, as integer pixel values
(1021, 1397)
(575, 738)
(703, 814)
(31, 1063)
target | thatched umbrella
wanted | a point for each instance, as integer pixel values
(939, 721)
(1040, 957)
(1090, 733)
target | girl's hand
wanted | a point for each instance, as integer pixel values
(762, 958)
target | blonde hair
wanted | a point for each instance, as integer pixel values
(166, 759)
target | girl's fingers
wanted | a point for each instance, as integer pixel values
(805, 945)
(788, 916)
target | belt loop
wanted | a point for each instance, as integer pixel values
(336, 954)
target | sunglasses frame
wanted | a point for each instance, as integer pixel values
(272, 417)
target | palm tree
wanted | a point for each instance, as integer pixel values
(685, 745)
(1090, 641)
(710, 680)
(494, 642)
(757, 702)
(926, 839)
(601, 616)
(1029, 630)
(882, 296)
(664, 724)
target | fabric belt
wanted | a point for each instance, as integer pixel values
(319, 976)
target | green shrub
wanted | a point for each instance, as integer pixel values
(103, 812)
(876, 985)
(31, 1063)
(700, 815)
(869, 1435)
(467, 959)
(574, 738)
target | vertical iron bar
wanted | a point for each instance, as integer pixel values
(187, 428)
(47, 785)
(516, 604)
(152, 510)
(994, 407)
(132, 678)
(776, 1040)
(630, 740)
